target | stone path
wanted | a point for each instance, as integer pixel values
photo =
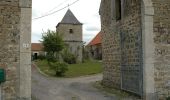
(46, 88)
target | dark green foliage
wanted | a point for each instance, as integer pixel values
(168, 98)
(68, 57)
(59, 67)
(41, 57)
(50, 57)
(52, 42)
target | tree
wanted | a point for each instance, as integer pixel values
(52, 42)
(53, 45)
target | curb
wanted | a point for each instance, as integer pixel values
(38, 69)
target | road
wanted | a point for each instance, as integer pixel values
(48, 88)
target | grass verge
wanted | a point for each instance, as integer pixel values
(74, 70)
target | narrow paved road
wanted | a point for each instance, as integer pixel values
(46, 88)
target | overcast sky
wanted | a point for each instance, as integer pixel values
(86, 12)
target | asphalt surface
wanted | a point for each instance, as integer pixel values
(47, 88)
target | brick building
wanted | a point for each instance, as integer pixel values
(15, 50)
(136, 46)
(71, 30)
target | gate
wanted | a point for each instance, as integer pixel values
(131, 62)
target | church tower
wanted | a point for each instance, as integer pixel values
(71, 30)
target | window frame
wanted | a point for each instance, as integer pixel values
(117, 9)
(71, 31)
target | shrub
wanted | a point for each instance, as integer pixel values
(59, 67)
(68, 57)
(168, 98)
(41, 57)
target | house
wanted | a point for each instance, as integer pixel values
(136, 46)
(37, 49)
(95, 47)
(15, 50)
(71, 30)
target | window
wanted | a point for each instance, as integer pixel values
(71, 31)
(118, 9)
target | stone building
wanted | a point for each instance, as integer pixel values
(136, 46)
(71, 30)
(37, 49)
(95, 47)
(15, 49)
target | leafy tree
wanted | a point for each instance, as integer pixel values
(52, 42)
(53, 45)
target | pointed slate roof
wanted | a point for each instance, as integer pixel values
(69, 18)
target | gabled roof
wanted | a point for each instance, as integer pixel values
(69, 18)
(96, 40)
(37, 47)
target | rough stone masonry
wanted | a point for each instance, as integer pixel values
(136, 46)
(15, 51)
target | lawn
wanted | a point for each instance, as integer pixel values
(74, 70)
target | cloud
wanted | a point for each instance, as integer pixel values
(36, 37)
(87, 37)
(92, 28)
(86, 12)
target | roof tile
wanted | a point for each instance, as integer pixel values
(37, 47)
(96, 40)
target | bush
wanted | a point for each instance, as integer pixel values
(59, 67)
(41, 57)
(68, 57)
(168, 98)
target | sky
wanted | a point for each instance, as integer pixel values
(86, 11)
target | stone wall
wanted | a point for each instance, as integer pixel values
(130, 25)
(74, 40)
(9, 41)
(110, 48)
(76, 49)
(137, 18)
(10, 53)
(162, 46)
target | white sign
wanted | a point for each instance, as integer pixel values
(26, 45)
